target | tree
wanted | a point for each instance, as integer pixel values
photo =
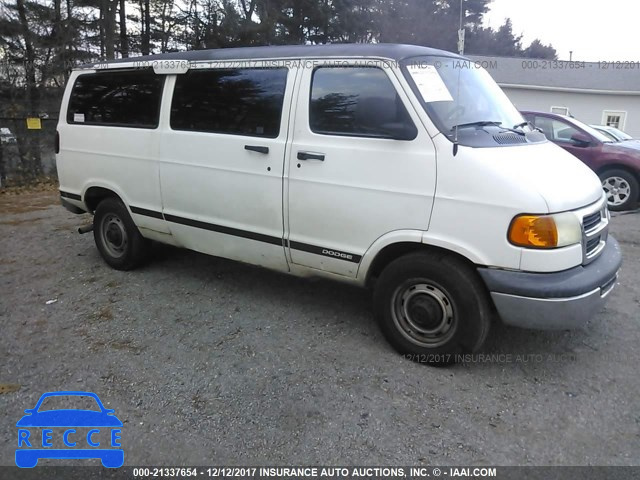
(354, 21)
(433, 23)
(506, 43)
(539, 50)
(41, 40)
(502, 42)
(124, 38)
(145, 27)
(17, 37)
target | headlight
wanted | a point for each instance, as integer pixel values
(545, 231)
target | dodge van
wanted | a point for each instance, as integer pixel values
(395, 167)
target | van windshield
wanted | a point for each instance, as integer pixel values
(459, 94)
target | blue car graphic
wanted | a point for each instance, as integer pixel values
(27, 456)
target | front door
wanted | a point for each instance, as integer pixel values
(351, 179)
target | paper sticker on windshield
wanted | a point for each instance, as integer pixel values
(429, 83)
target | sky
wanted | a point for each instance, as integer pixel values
(595, 30)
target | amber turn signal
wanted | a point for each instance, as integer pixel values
(534, 231)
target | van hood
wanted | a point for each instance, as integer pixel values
(563, 181)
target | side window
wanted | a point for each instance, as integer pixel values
(126, 99)
(357, 101)
(529, 118)
(232, 101)
(562, 132)
(544, 124)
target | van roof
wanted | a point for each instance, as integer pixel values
(389, 51)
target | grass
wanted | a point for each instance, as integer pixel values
(21, 221)
(27, 201)
(20, 185)
(104, 313)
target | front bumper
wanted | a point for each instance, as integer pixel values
(554, 301)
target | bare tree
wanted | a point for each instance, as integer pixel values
(124, 39)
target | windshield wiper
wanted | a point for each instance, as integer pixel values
(489, 123)
(482, 123)
(520, 125)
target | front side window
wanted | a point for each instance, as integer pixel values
(561, 131)
(357, 102)
(555, 130)
(127, 99)
(601, 137)
(230, 101)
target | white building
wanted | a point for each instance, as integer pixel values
(606, 93)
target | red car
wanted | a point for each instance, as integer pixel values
(616, 163)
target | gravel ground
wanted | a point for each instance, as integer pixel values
(207, 361)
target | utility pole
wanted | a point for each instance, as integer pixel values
(461, 31)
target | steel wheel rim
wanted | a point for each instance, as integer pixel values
(617, 190)
(423, 313)
(114, 235)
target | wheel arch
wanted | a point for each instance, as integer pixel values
(95, 194)
(619, 166)
(396, 249)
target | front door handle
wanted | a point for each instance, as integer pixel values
(257, 148)
(310, 156)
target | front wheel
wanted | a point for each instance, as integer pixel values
(118, 239)
(432, 307)
(620, 188)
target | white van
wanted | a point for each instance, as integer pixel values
(396, 167)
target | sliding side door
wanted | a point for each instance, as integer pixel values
(222, 162)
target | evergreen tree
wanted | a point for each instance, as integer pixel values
(539, 50)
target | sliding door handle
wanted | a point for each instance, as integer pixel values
(310, 156)
(257, 148)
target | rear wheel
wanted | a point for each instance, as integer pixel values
(621, 189)
(118, 239)
(432, 307)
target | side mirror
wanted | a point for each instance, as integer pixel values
(400, 131)
(581, 139)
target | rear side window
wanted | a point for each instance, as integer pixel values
(356, 102)
(126, 99)
(232, 101)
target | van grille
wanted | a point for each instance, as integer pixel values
(590, 221)
(595, 229)
(592, 244)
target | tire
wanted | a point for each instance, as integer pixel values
(621, 188)
(118, 239)
(432, 307)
